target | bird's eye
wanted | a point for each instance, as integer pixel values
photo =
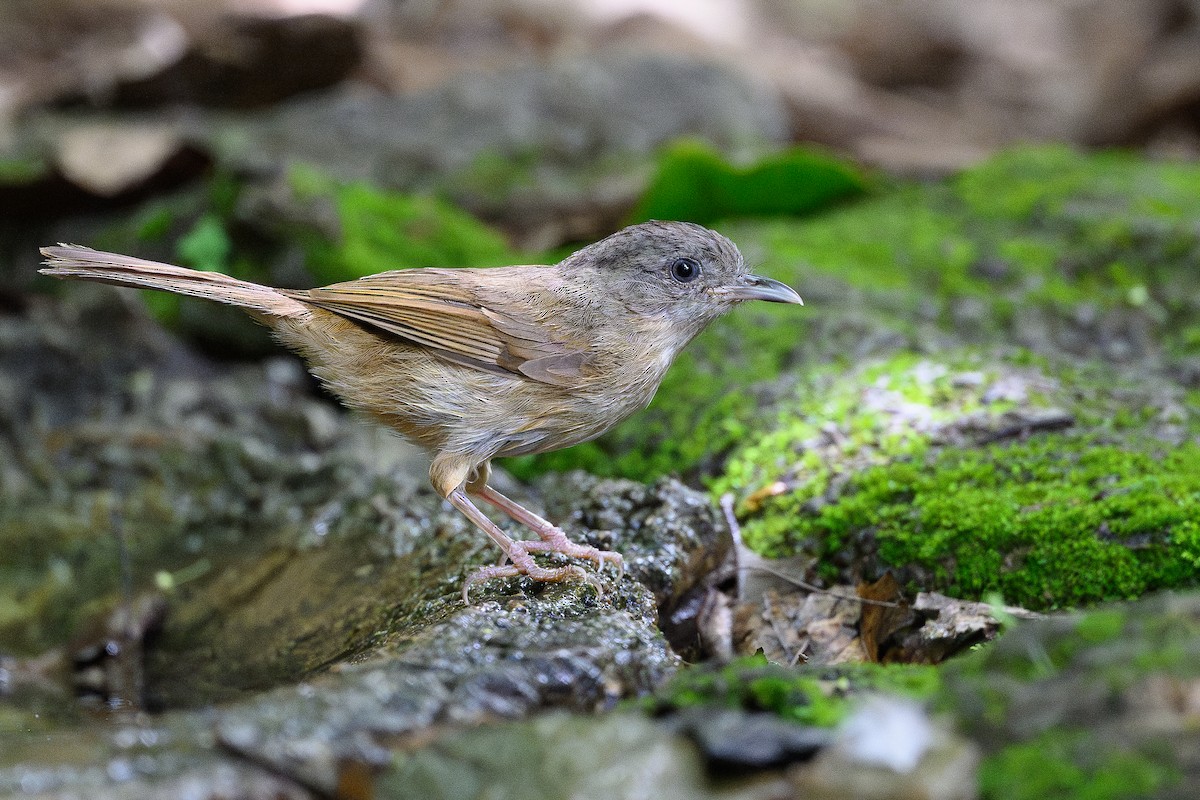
(685, 270)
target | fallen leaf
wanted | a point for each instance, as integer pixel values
(879, 622)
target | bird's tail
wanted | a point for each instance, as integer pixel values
(83, 263)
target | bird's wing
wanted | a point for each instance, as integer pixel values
(446, 312)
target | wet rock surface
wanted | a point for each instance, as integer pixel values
(290, 546)
(172, 756)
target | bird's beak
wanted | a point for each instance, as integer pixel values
(756, 287)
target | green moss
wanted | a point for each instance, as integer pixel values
(695, 183)
(900, 239)
(893, 466)
(206, 246)
(22, 170)
(812, 696)
(153, 223)
(1059, 703)
(1116, 648)
(1101, 625)
(881, 411)
(198, 228)
(342, 230)
(371, 230)
(380, 230)
(1034, 230)
(1074, 764)
(495, 176)
(1056, 521)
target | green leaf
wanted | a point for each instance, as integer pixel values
(696, 184)
(206, 246)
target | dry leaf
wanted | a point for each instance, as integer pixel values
(880, 622)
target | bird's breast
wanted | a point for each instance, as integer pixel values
(622, 381)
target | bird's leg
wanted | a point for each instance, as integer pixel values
(443, 476)
(553, 540)
(517, 553)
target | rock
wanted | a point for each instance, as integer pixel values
(672, 536)
(617, 755)
(309, 579)
(1088, 702)
(68, 166)
(107, 160)
(736, 741)
(131, 55)
(934, 86)
(889, 749)
(277, 57)
(495, 661)
(135, 760)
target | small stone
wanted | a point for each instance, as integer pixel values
(737, 740)
(890, 750)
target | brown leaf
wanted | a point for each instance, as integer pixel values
(817, 628)
(755, 500)
(879, 622)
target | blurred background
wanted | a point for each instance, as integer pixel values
(540, 117)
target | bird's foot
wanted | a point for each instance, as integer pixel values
(561, 544)
(531, 570)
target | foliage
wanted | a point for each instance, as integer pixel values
(337, 231)
(1060, 703)
(696, 184)
(379, 230)
(18, 170)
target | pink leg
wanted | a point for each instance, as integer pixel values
(517, 552)
(553, 540)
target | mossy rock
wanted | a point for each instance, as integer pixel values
(923, 464)
(978, 473)
(1090, 254)
(1078, 705)
(1072, 763)
(820, 696)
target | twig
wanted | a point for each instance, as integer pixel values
(726, 503)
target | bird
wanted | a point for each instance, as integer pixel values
(474, 364)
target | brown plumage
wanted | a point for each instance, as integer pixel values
(473, 364)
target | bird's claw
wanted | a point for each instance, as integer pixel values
(572, 550)
(534, 572)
